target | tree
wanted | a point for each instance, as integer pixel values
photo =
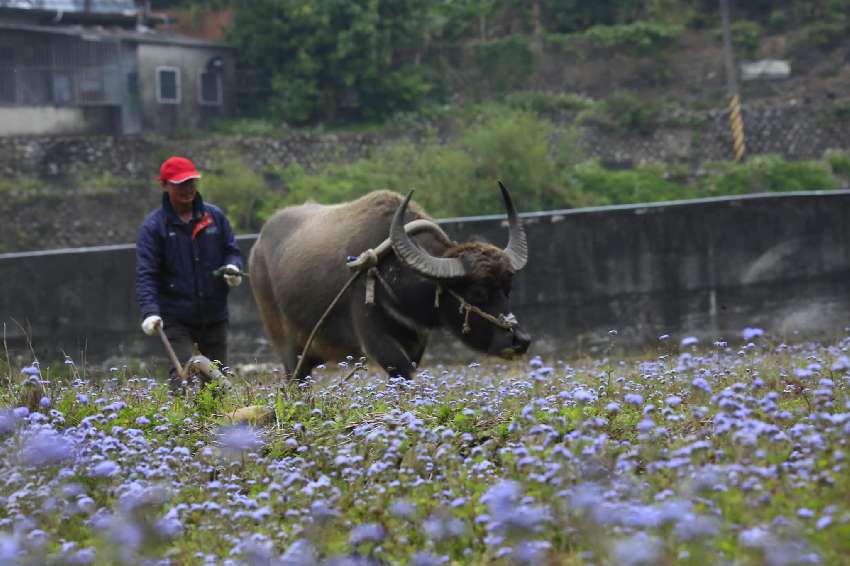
(334, 59)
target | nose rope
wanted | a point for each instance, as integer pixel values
(506, 321)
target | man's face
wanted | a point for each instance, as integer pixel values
(181, 194)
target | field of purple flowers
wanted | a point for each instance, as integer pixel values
(698, 454)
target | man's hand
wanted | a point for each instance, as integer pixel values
(151, 325)
(232, 280)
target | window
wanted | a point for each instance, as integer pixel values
(168, 85)
(91, 85)
(63, 88)
(210, 87)
(7, 75)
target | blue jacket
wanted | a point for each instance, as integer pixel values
(175, 261)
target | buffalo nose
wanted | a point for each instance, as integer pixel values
(521, 341)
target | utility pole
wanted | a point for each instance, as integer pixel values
(735, 121)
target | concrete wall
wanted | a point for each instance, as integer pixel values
(189, 113)
(704, 268)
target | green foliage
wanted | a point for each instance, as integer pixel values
(746, 37)
(595, 185)
(626, 113)
(837, 111)
(21, 185)
(825, 35)
(569, 16)
(238, 189)
(504, 63)
(456, 178)
(767, 173)
(539, 162)
(640, 38)
(839, 163)
(245, 127)
(334, 59)
(548, 103)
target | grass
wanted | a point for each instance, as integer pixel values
(688, 456)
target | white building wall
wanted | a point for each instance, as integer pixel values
(188, 113)
(37, 120)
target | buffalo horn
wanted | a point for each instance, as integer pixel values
(415, 257)
(517, 249)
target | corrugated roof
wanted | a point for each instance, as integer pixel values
(103, 33)
(123, 7)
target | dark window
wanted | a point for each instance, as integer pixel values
(210, 87)
(7, 75)
(63, 88)
(168, 85)
(92, 88)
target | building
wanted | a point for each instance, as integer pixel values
(97, 66)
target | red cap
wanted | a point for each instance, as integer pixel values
(178, 169)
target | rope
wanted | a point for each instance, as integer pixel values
(322, 320)
(506, 321)
(368, 262)
(365, 262)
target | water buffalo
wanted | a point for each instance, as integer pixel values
(298, 266)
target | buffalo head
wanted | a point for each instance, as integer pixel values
(473, 283)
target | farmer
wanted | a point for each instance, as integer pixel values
(179, 247)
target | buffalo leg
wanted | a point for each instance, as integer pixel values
(391, 356)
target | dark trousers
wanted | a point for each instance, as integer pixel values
(210, 338)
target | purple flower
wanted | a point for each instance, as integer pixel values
(370, 532)
(755, 537)
(441, 526)
(638, 550)
(46, 448)
(322, 512)
(750, 333)
(237, 439)
(841, 363)
(427, 559)
(701, 384)
(502, 497)
(689, 341)
(7, 422)
(673, 401)
(633, 398)
(403, 508)
(31, 371)
(300, 553)
(105, 469)
(82, 557)
(530, 552)
(10, 551)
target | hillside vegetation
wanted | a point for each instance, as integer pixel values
(469, 93)
(453, 96)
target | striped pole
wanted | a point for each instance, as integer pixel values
(735, 122)
(737, 125)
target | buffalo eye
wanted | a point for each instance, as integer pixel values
(477, 294)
